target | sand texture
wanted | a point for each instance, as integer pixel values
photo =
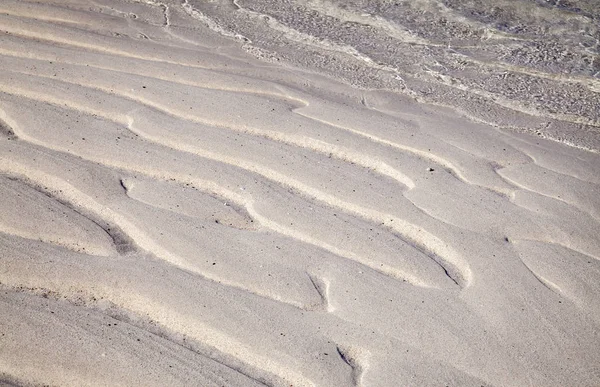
(253, 193)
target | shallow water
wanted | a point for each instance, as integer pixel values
(531, 66)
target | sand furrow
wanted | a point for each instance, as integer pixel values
(393, 271)
(58, 221)
(564, 271)
(212, 79)
(328, 148)
(311, 144)
(187, 353)
(244, 192)
(112, 46)
(425, 242)
(208, 333)
(579, 194)
(419, 238)
(131, 233)
(149, 243)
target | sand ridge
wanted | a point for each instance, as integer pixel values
(178, 212)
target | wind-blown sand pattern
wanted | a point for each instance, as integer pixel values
(299, 193)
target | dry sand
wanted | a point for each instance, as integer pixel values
(182, 206)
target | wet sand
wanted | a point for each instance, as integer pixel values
(306, 193)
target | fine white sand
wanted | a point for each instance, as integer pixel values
(176, 212)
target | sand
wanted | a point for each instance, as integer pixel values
(187, 203)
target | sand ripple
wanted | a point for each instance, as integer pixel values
(177, 212)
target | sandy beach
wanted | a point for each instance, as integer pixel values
(299, 193)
